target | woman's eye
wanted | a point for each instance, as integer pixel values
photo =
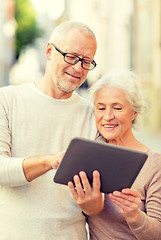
(101, 108)
(118, 108)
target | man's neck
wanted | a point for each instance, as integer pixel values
(51, 91)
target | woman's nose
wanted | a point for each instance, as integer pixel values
(108, 114)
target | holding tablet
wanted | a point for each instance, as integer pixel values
(118, 166)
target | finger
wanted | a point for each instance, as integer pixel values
(125, 200)
(55, 164)
(78, 186)
(85, 182)
(72, 190)
(119, 202)
(132, 195)
(59, 156)
(132, 192)
(127, 208)
(127, 196)
(124, 208)
(96, 181)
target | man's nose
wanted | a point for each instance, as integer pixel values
(78, 66)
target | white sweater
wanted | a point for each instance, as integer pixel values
(31, 124)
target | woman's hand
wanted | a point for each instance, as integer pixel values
(129, 201)
(88, 198)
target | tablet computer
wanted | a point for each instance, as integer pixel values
(118, 166)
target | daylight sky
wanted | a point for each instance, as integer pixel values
(53, 8)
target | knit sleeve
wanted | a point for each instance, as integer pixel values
(148, 225)
(11, 169)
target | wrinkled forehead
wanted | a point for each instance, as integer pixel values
(78, 42)
(106, 92)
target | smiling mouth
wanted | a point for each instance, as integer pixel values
(110, 126)
(72, 75)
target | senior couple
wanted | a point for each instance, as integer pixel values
(37, 122)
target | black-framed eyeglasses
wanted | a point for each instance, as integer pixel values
(73, 59)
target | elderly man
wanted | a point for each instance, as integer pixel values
(38, 120)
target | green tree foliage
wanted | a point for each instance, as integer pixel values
(27, 29)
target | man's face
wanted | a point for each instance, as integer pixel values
(67, 77)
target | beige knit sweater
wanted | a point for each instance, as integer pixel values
(110, 224)
(31, 124)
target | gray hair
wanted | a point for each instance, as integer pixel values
(127, 81)
(62, 29)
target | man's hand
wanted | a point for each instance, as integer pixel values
(34, 167)
(88, 198)
(55, 159)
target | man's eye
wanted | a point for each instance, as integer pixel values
(86, 62)
(71, 57)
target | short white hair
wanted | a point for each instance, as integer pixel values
(62, 29)
(129, 83)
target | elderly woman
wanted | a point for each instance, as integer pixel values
(133, 213)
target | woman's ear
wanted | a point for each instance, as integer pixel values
(48, 51)
(134, 116)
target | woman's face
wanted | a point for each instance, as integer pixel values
(113, 113)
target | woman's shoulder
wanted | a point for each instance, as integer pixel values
(154, 159)
(154, 154)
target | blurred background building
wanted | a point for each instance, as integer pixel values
(7, 39)
(128, 34)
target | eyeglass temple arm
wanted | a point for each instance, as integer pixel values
(63, 53)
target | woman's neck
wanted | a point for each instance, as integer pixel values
(130, 142)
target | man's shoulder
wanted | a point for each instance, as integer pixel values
(11, 89)
(10, 92)
(82, 100)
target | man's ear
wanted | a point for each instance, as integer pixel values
(48, 51)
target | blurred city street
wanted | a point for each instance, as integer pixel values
(27, 69)
(141, 54)
(152, 140)
(128, 38)
(37, 122)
